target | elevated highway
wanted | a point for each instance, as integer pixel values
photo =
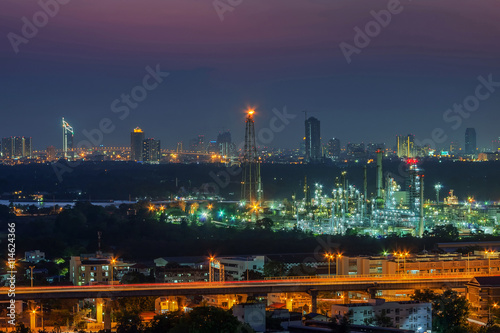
(370, 284)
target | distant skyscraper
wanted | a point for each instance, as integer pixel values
(7, 148)
(16, 147)
(151, 150)
(68, 133)
(136, 144)
(313, 140)
(225, 144)
(405, 145)
(197, 145)
(356, 150)
(334, 148)
(453, 147)
(470, 141)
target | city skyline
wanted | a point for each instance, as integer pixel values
(395, 85)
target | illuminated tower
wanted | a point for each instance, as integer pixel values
(67, 138)
(251, 186)
(136, 144)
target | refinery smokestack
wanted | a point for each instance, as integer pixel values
(379, 174)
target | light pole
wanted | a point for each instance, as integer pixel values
(31, 275)
(329, 257)
(339, 255)
(488, 254)
(438, 188)
(210, 269)
(112, 272)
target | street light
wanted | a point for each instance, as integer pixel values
(31, 275)
(495, 305)
(438, 188)
(339, 255)
(112, 272)
(403, 255)
(488, 254)
(329, 257)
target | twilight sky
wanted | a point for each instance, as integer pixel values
(265, 53)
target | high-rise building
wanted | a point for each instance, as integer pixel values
(356, 151)
(51, 153)
(151, 150)
(405, 145)
(212, 147)
(16, 147)
(454, 147)
(470, 141)
(136, 144)
(313, 140)
(334, 148)
(225, 144)
(7, 148)
(27, 148)
(68, 133)
(197, 145)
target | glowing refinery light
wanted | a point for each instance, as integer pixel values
(251, 112)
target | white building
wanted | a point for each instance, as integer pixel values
(254, 314)
(411, 315)
(237, 266)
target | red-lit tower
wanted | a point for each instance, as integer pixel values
(251, 186)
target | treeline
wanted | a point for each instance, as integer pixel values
(121, 180)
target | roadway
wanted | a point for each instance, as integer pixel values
(276, 285)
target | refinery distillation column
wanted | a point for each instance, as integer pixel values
(251, 186)
(379, 175)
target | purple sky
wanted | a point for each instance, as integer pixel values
(266, 53)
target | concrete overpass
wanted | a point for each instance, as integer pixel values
(370, 284)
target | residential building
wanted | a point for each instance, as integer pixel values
(34, 256)
(151, 151)
(237, 266)
(483, 292)
(410, 315)
(97, 268)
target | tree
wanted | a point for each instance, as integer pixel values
(252, 275)
(448, 231)
(128, 321)
(340, 325)
(164, 323)
(380, 320)
(208, 319)
(134, 277)
(449, 310)
(274, 268)
(265, 223)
